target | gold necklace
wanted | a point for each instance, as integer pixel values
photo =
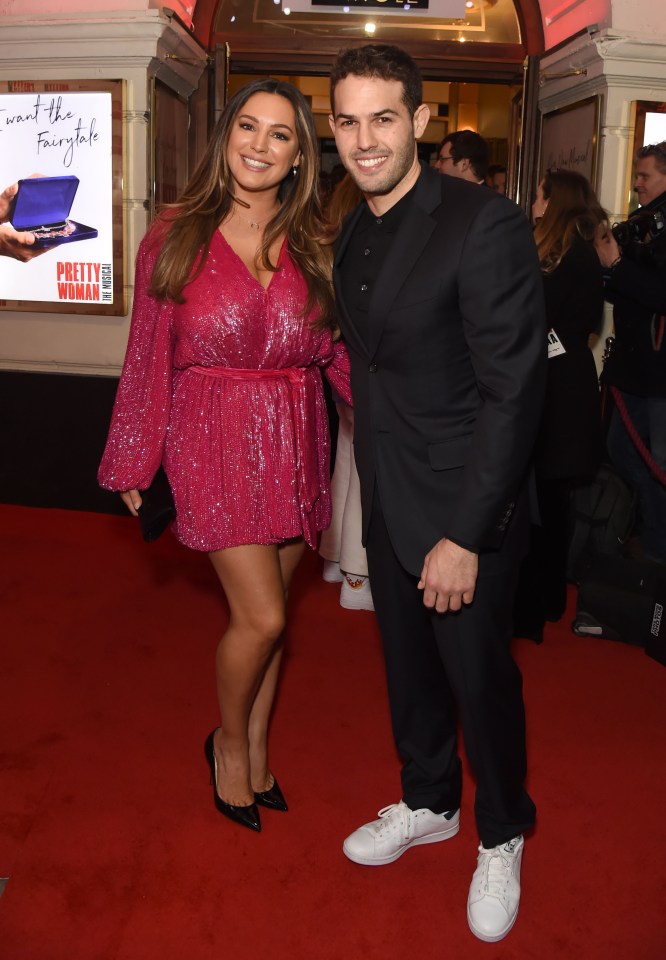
(253, 224)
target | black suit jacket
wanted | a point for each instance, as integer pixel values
(448, 382)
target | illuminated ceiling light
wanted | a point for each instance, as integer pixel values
(345, 9)
(370, 27)
(462, 40)
(286, 11)
(277, 2)
(232, 19)
(470, 4)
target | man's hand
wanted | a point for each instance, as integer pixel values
(607, 249)
(448, 578)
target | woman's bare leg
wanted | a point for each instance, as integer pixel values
(251, 577)
(260, 774)
(255, 580)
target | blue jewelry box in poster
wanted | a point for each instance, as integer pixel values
(42, 206)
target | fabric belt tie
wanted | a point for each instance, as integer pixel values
(302, 383)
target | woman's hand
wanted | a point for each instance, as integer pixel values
(132, 500)
(17, 244)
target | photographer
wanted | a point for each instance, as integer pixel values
(634, 257)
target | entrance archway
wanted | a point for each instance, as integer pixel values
(245, 40)
(528, 13)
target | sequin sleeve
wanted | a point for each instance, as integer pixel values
(141, 411)
(337, 372)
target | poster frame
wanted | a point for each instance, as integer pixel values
(565, 129)
(117, 89)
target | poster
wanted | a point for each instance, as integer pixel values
(58, 145)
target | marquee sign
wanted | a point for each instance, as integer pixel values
(381, 4)
(439, 9)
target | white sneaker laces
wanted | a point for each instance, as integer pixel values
(394, 816)
(496, 872)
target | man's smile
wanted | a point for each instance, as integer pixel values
(368, 163)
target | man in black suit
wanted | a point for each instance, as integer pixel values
(440, 301)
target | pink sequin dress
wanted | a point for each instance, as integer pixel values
(225, 390)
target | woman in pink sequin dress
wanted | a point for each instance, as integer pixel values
(233, 320)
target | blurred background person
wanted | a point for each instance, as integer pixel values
(567, 218)
(496, 178)
(344, 555)
(463, 154)
(636, 368)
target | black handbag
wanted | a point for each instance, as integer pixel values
(157, 508)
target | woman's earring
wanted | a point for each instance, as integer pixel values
(294, 171)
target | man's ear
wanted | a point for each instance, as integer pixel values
(420, 119)
(331, 123)
(463, 164)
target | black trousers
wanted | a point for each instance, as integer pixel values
(542, 587)
(441, 667)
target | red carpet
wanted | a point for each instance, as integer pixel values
(107, 828)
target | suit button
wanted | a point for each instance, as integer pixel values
(373, 368)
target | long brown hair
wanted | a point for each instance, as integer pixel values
(573, 211)
(346, 196)
(189, 224)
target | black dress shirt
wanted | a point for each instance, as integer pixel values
(366, 251)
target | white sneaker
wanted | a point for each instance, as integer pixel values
(332, 572)
(494, 894)
(355, 593)
(397, 829)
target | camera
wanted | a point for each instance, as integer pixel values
(641, 228)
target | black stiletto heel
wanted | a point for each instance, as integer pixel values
(247, 816)
(273, 798)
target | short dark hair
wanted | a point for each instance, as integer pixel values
(468, 145)
(656, 150)
(384, 61)
(495, 168)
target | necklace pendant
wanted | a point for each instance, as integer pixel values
(253, 224)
